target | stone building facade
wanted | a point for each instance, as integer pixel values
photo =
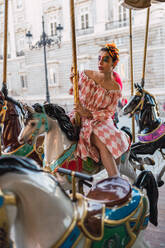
(97, 22)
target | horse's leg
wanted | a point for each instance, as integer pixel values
(106, 157)
(126, 167)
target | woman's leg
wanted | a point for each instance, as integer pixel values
(106, 157)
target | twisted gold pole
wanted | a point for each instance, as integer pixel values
(131, 62)
(74, 54)
(5, 43)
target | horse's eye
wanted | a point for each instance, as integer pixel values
(32, 124)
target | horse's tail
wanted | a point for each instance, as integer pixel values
(147, 180)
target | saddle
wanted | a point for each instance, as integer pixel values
(91, 222)
(136, 4)
(111, 191)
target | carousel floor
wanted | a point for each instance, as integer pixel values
(155, 236)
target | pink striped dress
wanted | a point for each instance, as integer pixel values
(102, 104)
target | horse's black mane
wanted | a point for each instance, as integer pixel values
(17, 164)
(10, 99)
(54, 111)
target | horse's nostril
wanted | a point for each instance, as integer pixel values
(20, 140)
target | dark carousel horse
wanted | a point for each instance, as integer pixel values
(151, 133)
(11, 119)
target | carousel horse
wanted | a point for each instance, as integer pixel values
(33, 205)
(12, 121)
(60, 141)
(151, 129)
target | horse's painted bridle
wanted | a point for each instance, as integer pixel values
(42, 120)
(141, 102)
(3, 111)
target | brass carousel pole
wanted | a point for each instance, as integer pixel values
(5, 53)
(145, 47)
(74, 54)
(5, 43)
(131, 62)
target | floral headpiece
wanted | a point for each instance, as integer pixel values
(113, 52)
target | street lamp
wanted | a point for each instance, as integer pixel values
(43, 42)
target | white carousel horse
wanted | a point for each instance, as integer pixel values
(60, 143)
(46, 216)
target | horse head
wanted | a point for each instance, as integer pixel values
(42, 118)
(140, 101)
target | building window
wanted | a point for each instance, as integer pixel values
(53, 30)
(84, 18)
(52, 76)
(18, 4)
(23, 79)
(123, 14)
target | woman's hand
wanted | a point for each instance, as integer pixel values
(83, 112)
(72, 75)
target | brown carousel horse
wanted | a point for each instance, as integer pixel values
(11, 121)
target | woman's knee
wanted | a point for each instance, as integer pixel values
(96, 141)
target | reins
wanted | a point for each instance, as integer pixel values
(141, 103)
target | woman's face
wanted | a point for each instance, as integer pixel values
(105, 63)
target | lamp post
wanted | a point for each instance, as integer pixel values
(44, 42)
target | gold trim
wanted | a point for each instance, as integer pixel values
(152, 131)
(139, 215)
(68, 231)
(62, 155)
(88, 243)
(12, 151)
(132, 235)
(146, 142)
(3, 112)
(114, 222)
(77, 241)
(81, 221)
(10, 200)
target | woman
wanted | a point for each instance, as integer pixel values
(99, 92)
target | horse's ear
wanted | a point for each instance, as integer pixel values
(28, 108)
(135, 85)
(139, 88)
(37, 107)
(4, 90)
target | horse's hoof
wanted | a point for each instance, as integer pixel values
(160, 183)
